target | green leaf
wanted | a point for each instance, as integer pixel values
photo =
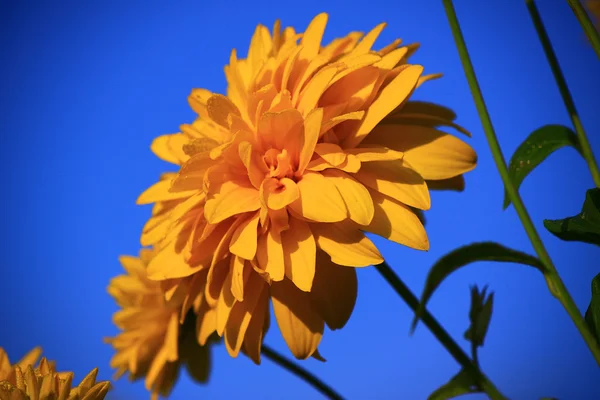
(583, 227)
(592, 315)
(483, 251)
(480, 315)
(536, 148)
(460, 384)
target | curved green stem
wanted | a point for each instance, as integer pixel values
(586, 23)
(438, 331)
(555, 283)
(301, 373)
(586, 149)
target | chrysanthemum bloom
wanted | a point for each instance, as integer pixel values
(312, 146)
(23, 381)
(153, 344)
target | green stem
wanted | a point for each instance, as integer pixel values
(555, 283)
(584, 144)
(586, 23)
(301, 373)
(438, 331)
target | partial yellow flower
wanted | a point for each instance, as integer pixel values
(312, 146)
(153, 344)
(23, 381)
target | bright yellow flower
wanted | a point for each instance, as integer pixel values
(23, 381)
(312, 146)
(153, 343)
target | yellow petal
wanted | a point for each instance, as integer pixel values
(355, 195)
(312, 127)
(457, 184)
(197, 101)
(301, 326)
(319, 200)
(299, 249)
(368, 154)
(29, 358)
(160, 191)
(346, 244)
(397, 180)
(170, 148)
(241, 314)
(396, 92)
(334, 291)
(191, 175)
(332, 153)
(229, 199)
(432, 153)
(275, 129)
(256, 329)
(368, 41)
(168, 264)
(278, 193)
(245, 237)
(240, 273)
(270, 255)
(219, 107)
(397, 222)
(311, 41)
(309, 97)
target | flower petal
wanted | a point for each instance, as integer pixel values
(397, 180)
(368, 154)
(457, 184)
(160, 191)
(269, 254)
(278, 193)
(170, 148)
(334, 291)
(397, 222)
(355, 195)
(229, 199)
(245, 237)
(300, 325)
(346, 244)
(191, 175)
(299, 250)
(319, 200)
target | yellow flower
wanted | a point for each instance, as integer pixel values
(153, 343)
(23, 381)
(312, 146)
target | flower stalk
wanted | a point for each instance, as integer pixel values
(586, 149)
(586, 23)
(301, 373)
(555, 283)
(438, 331)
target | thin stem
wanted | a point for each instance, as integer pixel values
(586, 23)
(301, 373)
(438, 331)
(555, 283)
(564, 90)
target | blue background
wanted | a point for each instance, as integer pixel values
(87, 85)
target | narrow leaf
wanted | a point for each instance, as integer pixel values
(479, 315)
(483, 251)
(460, 384)
(536, 148)
(583, 227)
(592, 315)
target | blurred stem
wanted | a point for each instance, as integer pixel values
(438, 331)
(555, 283)
(301, 373)
(586, 23)
(564, 90)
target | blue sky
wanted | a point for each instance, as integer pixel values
(86, 86)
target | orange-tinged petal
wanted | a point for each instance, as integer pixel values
(241, 314)
(206, 323)
(312, 128)
(299, 249)
(191, 174)
(219, 107)
(170, 148)
(355, 195)
(197, 101)
(278, 193)
(457, 183)
(240, 273)
(332, 153)
(432, 153)
(245, 237)
(397, 180)
(276, 128)
(311, 41)
(168, 264)
(231, 199)
(397, 222)
(160, 191)
(270, 255)
(346, 244)
(309, 97)
(300, 325)
(368, 154)
(224, 303)
(256, 329)
(334, 291)
(392, 95)
(319, 200)
(331, 123)
(391, 60)
(365, 45)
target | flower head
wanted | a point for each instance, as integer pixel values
(313, 146)
(23, 381)
(153, 344)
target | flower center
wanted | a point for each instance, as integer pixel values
(279, 163)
